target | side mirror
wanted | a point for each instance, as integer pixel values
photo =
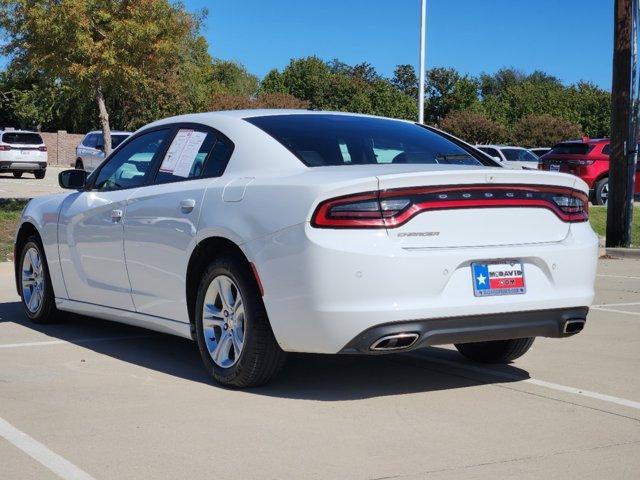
(100, 147)
(72, 179)
(497, 158)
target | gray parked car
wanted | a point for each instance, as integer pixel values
(90, 151)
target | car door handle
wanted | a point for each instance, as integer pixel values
(187, 205)
(116, 215)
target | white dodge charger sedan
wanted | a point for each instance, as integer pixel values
(261, 232)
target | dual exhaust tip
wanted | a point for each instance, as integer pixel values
(400, 341)
(397, 341)
(573, 326)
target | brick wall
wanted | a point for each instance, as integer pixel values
(61, 146)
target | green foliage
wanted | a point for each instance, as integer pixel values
(341, 87)
(234, 78)
(541, 130)
(474, 127)
(405, 80)
(141, 59)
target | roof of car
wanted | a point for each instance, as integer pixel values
(16, 130)
(207, 117)
(116, 132)
(501, 146)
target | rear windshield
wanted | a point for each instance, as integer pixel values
(324, 140)
(519, 155)
(21, 138)
(571, 149)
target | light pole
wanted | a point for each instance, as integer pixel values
(423, 30)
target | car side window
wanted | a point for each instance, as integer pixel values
(606, 149)
(131, 166)
(192, 154)
(491, 152)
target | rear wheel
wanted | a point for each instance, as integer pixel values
(79, 165)
(40, 174)
(17, 174)
(601, 194)
(35, 284)
(498, 351)
(234, 336)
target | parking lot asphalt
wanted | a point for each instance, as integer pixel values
(28, 186)
(93, 399)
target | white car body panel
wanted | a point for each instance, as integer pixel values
(322, 287)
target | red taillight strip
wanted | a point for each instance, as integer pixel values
(323, 218)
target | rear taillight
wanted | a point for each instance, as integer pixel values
(42, 149)
(4, 148)
(393, 208)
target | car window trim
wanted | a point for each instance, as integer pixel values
(200, 127)
(161, 153)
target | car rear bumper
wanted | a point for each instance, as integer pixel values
(8, 166)
(321, 294)
(390, 337)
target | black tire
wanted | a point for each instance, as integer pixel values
(40, 174)
(601, 191)
(498, 351)
(17, 174)
(261, 356)
(47, 311)
(79, 165)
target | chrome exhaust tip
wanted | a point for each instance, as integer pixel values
(397, 341)
(573, 326)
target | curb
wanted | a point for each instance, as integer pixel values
(624, 252)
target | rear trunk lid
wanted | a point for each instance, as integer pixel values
(475, 207)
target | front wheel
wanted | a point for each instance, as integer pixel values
(40, 174)
(497, 351)
(17, 174)
(234, 336)
(36, 290)
(79, 165)
(601, 194)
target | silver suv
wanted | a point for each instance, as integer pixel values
(90, 151)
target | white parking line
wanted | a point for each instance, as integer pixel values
(613, 310)
(628, 304)
(54, 462)
(618, 276)
(60, 342)
(540, 383)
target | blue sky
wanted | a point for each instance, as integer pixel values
(571, 39)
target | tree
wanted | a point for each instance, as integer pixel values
(544, 130)
(234, 78)
(405, 80)
(231, 101)
(101, 46)
(474, 127)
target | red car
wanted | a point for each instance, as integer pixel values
(589, 160)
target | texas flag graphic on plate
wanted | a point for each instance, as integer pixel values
(497, 278)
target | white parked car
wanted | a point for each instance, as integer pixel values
(511, 157)
(22, 151)
(266, 231)
(90, 151)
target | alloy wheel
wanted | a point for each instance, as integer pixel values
(223, 321)
(32, 280)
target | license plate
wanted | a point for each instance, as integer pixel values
(554, 168)
(497, 278)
